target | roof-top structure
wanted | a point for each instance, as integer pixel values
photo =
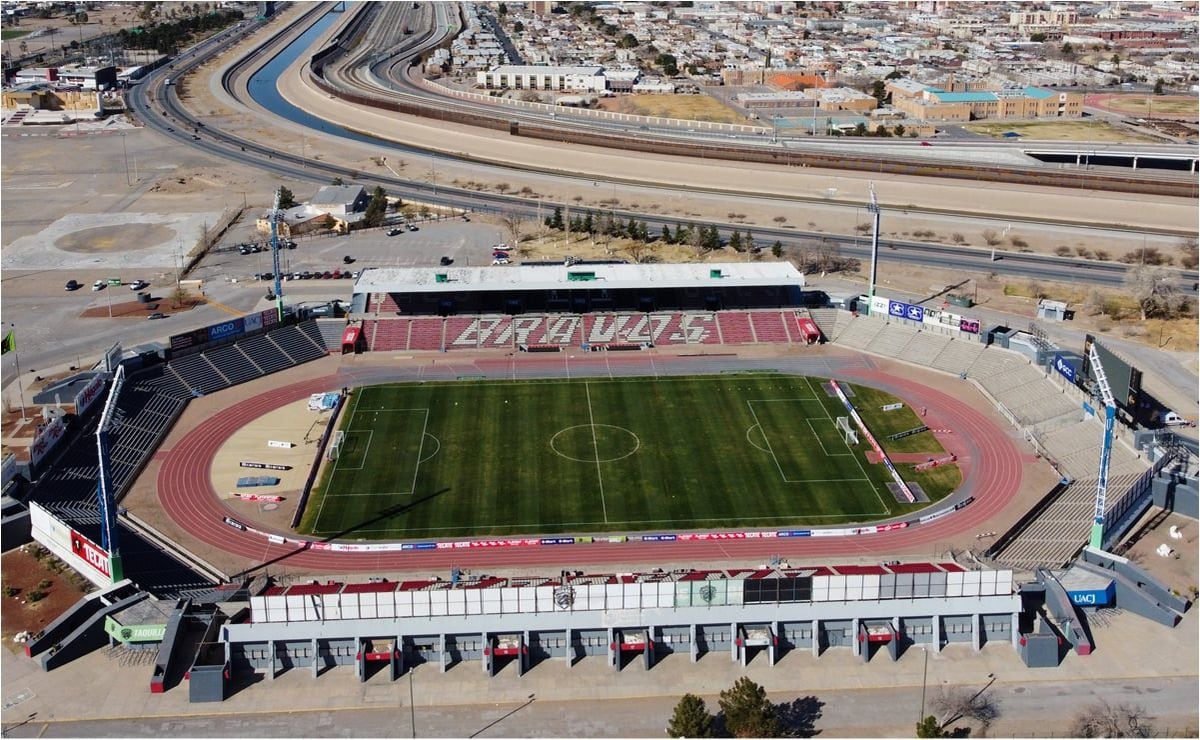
(579, 276)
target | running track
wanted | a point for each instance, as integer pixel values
(990, 461)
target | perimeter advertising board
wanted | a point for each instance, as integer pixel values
(69, 546)
(86, 397)
(46, 439)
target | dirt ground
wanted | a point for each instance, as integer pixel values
(1059, 131)
(1179, 106)
(685, 107)
(22, 571)
(1180, 570)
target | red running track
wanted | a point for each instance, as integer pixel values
(990, 461)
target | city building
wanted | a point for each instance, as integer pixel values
(543, 77)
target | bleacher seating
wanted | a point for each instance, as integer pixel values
(769, 327)
(828, 320)
(330, 331)
(198, 373)
(265, 353)
(958, 356)
(426, 333)
(892, 340)
(923, 347)
(389, 335)
(456, 327)
(860, 331)
(735, 327)
(296, 344)
(233, 363)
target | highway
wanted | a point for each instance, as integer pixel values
(151, 98)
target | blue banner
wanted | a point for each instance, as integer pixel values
(558, 540)
(794, 533)
(906, 311)
(1064, 368)
(658, 538)
(225, 329)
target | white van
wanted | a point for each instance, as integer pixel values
(1172, 419)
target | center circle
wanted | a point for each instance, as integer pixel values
(595, 443)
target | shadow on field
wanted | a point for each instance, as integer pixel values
(388, 513)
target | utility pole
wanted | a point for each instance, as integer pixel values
(873, 209)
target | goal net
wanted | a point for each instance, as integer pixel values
(849, 433)
(335, 445)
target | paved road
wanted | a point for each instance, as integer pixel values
(1036, 710)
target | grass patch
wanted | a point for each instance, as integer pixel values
(868, 403)
(13, 33)
(1158, 104)
(478, 458)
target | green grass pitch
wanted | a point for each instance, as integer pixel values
(599, 455)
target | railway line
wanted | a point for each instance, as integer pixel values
(160, 108)
(395, 91)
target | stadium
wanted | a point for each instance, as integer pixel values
(559, 416)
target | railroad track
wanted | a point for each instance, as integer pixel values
(344, 79)
(230, 146)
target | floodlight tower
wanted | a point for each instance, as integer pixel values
(276, 215)
(1110, 415)
(104, 492)
(873, 209)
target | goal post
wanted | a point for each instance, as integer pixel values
(335, 445)
(848, 432)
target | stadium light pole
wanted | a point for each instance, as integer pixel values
(873, 208)
(924, 677)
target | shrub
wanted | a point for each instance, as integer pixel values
(1062, 250)
(11, 591)
(958, 238)
(44, 584)
(35, 596)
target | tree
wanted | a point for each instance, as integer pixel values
(1037, 38)
(286, 198)
(376, 208)
(1067, 49)
(1191, 253)
(899, 130)
(882, 132)
(668, 63)
(929, 727)
(588, 224)
(691, 718)
(959, 703)
(1116, 60)
(1154, 290)
(337, 181)
(682, 235)
(747, 712)
(777, 249)
(748, 240)
(628, 41)
(518, 27)
(1104, 720)
(502, 10)
(514, 224)
(1158, 86)
(556, 221)
(179, 296)
(879, 91)
(860, 129)
(666, 235)
(990, 237)
(735, 241)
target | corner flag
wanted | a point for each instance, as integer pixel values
(9, 344)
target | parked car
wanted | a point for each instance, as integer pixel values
(413, 227)
(337, 274)
(445, 260)
(500, 261)
(395, 231)
(99, 285)
(466, 217)
(347, 260)
(327, 275)
(499, 253)
(73, 285)
(138, 285)
(157, 315)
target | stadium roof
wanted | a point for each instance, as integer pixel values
(557, 277)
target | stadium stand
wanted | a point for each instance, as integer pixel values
(735, 327)
(891, 341)
(198, 374)
(860, 331)
(387, 335)
(924, 346)
(426, 333)
(235, 366)
(295, 344)
(769, 327)
(829, 321)
(265, 353)
(957, 357)
(331, 333)
(457, 327)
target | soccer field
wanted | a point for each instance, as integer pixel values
(594, 455)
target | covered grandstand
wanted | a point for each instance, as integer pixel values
(577, 288)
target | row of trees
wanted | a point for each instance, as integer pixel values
(166, 38)
(745, 711)
(703, 237)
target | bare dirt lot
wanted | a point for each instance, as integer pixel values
(685, 107)
(1059, 131)
(25, 574)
